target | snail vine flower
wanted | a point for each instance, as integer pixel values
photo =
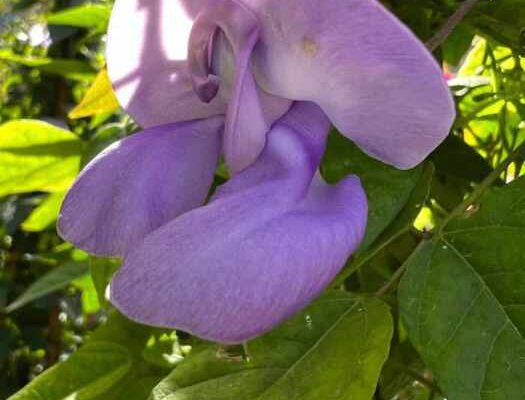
(259, 82)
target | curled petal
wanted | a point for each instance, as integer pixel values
(367, 71)
(265, 246)
(140, 183)
(147, 61)
(221, 44)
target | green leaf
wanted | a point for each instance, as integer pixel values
(58, 278)
(89, 296)
(105, 137)
(108, 366)
(334, 350)
(72, 69)
(102, 270)
(457, 159)
(85, 16)
(99, 99)
(37, 156)
(502, 20)
(388, 189)
(401, 225)
(458, 44)
(463, 303)
(45, 214)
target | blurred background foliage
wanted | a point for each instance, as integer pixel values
(57, 111)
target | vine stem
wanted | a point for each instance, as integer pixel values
(516, 155)
(392, 281)
(451, 23)
(359, 262)
(483, 186)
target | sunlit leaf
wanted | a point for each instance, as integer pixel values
(84, 16)
(45, 214)
(99, 98)
(37, 156)
(89, 297)
(72, 69)
(102, 269)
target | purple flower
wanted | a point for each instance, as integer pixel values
(258, 81)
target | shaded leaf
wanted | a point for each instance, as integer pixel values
(108, 366)
(401, 225)
(58, 278)
(455, 158)
(387, 188)
(502, 20)
(462, 302)
(104, 137)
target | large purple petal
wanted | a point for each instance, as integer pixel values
(271, 239)
(139, 184)
(367, 71)
(147, 61)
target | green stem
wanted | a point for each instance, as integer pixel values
(360, 261)
(483, 186)
(392, 281)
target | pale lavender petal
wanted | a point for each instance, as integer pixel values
(367, 71)
(139, 184)
(232, 30)
(266, 245)
(147, 61)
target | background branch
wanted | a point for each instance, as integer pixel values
(451, 23)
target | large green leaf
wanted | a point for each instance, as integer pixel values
(37, 156)
(58, 278)
(463, 302)
(334, 350)
(109, 366)
(387, 188)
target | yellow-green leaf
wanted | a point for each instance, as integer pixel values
(37, 156)
(45, 214)
(99, 99)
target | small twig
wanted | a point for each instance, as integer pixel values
(392, 281)
(451, 23)
(366, 257)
